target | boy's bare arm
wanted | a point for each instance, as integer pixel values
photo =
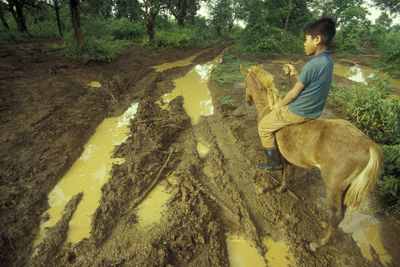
(291, 95)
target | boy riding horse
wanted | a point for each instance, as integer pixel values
(306, 100)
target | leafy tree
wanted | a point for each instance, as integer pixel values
(179, 9)
(98, 8)
(393, 6)
(222, 15)
(152, 8)
(131, 9)
(384, 21)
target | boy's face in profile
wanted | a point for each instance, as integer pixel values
(311, 44)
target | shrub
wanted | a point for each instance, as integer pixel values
(347, 42)
(269, 40)
(123, 29)
(390, 53)
(11, 35)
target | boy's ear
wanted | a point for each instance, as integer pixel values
(318, 39)
(244, 71)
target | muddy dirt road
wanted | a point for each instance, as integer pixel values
(185, 192)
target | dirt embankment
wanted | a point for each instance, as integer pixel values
(47, 115)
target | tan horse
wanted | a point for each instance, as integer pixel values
(349, 161)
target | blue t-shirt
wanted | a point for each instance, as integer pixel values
(316, 76)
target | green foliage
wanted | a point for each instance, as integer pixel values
(347, 42)
(229, 70)
(170, 34)
(13, 35)
(269, 40)
(376, 113)
(372, 109)
(104, 39)
(99, 49)
(390, 182)
(123, 29)
(390, 53)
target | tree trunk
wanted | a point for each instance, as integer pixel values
(76, 22)
(57, 8)
(3, 20)
(150, 26)
(16, 9)
(219, 31)
(288, 15)
(180, 20)
(182, 6)
(20, 15)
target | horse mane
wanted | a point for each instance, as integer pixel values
(268, 86)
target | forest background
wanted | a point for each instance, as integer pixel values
(102, 29)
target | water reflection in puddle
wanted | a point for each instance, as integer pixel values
(202, 148)
(151, 209)
(242, 253)
(88, 174)
(193, 87)
(278, 254)
(365, 228)
(360, 74)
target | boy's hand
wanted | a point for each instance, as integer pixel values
(291, 70)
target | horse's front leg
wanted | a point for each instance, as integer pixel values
(283, 186)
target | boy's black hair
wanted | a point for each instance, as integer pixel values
(325, 27)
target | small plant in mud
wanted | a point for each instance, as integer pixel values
(371, 108)
(227, 100)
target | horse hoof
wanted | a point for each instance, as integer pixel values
(313, 246)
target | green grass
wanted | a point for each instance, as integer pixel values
(229, 70)
(227, 100)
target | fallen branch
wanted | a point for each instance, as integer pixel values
(156, 180)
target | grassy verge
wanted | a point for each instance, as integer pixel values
(371, 108)
(229, 70)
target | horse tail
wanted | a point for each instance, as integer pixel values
(365, 182)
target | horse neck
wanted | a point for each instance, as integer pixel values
(261, 102)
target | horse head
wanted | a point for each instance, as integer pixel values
(260, 87)
(249, 93)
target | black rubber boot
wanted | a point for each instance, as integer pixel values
(273, 160)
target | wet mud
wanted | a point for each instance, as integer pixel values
(185, 192)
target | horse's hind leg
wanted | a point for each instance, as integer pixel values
(337, 209)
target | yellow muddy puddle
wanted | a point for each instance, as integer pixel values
(87, 174)
(202, 148)
(193, 87)
(151, 209)
(95, 84)
(360, 74)
(365, 229)
(278, 254)
(242, 253)
(180, 63)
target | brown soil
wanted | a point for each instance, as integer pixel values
(48, 113)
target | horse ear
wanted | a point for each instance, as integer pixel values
(244, 71)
